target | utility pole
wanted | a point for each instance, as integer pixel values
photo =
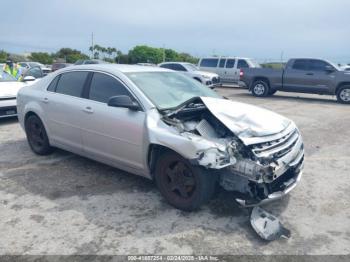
(92, 45)
(282, 56)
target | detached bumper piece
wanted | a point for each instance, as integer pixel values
(267, 226)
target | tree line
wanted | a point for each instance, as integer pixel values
(138, 54)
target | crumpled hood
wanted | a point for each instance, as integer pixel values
(244, 120)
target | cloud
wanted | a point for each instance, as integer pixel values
(254, 28)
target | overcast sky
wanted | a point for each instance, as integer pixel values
(252, 28)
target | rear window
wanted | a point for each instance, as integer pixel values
(209, 62)
(72, 83)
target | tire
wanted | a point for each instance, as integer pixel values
(37, 136)
(184, 186)
(272, 92)
(260, 88)
(343, 94)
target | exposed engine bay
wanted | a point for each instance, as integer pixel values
(258, 172)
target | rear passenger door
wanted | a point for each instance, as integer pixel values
(221, 68)
(231, 75)
(113, 135)
(63, 104)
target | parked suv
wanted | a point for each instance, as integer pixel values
(304, 75)
(207, 78)
(228, 68)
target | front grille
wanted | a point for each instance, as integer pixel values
(8, 111)
(276, 148)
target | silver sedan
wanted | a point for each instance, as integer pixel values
(164, 126)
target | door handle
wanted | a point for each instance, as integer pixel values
(88, 110)
(45, 100)
(309, 74)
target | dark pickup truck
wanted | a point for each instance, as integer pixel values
(302, 75)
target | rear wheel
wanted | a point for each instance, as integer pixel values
(260, 88)
(343, 95)
(184, 186)
(36, 136)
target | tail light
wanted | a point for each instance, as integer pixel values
(241, 74)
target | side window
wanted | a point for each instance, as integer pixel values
(72, 83)
(230, 63)
(301, 64)
(209, 62)
(318, 65)
(178, 67)
(53, 84)
(222, 62)
(168, 66)
(242, 64)
(103, 87)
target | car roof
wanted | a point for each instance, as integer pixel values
(117, 67)
(181, 63)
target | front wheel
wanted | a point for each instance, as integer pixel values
(36, 136)
(260, 88)
(343, 95)
(184, 186)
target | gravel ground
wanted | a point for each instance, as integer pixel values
(66, 204)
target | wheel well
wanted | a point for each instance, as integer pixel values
(28, 114)
(154, 152)
(341, 85)
(260, 78)
(197, 78)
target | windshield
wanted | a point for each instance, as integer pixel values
(190, 67)
(5, 77)
(169, 89)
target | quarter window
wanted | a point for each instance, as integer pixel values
(230, 63)
(209, 62)
(103, 87)
(53, 84)
(72, 83)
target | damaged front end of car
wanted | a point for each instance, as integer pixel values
(233, 140)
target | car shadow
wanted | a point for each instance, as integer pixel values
(8, 120)
(115, 200)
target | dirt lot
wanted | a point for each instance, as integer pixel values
(66, 204)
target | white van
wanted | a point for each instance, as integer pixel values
(228, 68)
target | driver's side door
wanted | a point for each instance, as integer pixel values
(113, 135)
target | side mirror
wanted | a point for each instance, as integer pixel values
(329, 69)
(28, 78)
(123, 101)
